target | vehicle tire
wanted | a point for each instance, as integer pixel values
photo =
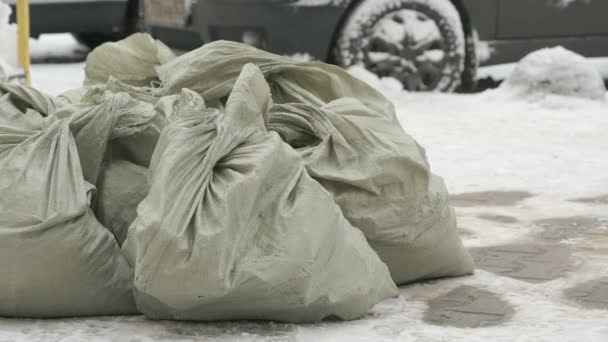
(421, 43)
(94, 39)
(471, 65)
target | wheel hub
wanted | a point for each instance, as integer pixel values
(408, 46)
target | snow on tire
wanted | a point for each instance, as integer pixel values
(419, 42)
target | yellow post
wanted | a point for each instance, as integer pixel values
(23, 32)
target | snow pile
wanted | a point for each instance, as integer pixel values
(49, 47)
(8, 40)
(554, 71)
(385, 85)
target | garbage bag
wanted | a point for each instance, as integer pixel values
(381, 179)
(56, 259)
(235, 228)
(212, 71)
(132, 60)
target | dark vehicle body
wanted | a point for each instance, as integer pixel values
(78, 16)
(517, 27)
(512, 27)
(508, 29)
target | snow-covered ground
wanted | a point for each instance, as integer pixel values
(550, 151)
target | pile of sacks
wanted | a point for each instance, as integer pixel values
(226, 183)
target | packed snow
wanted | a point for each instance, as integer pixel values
(49, 47)
(500, 72)
(56, 46)
(8, 39)
(555, 149)
(554, 71)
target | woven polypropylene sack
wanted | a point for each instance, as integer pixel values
(56, 260)
(381, 179)
(132, 60)
(234, 227)
(122, 186)
(213, 69)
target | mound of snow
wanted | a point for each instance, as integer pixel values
(8, 43)
(8, 37)
(554, 71)
(385, 85)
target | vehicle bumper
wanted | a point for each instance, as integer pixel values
(277, 26)
(280, 28)
(78, 16)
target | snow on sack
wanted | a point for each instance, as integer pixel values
(235, 228)
(381, 179)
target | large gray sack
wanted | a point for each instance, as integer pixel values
(56, 260)
(381, 179)
(132, 60)
(213, 69)
(234, 227)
